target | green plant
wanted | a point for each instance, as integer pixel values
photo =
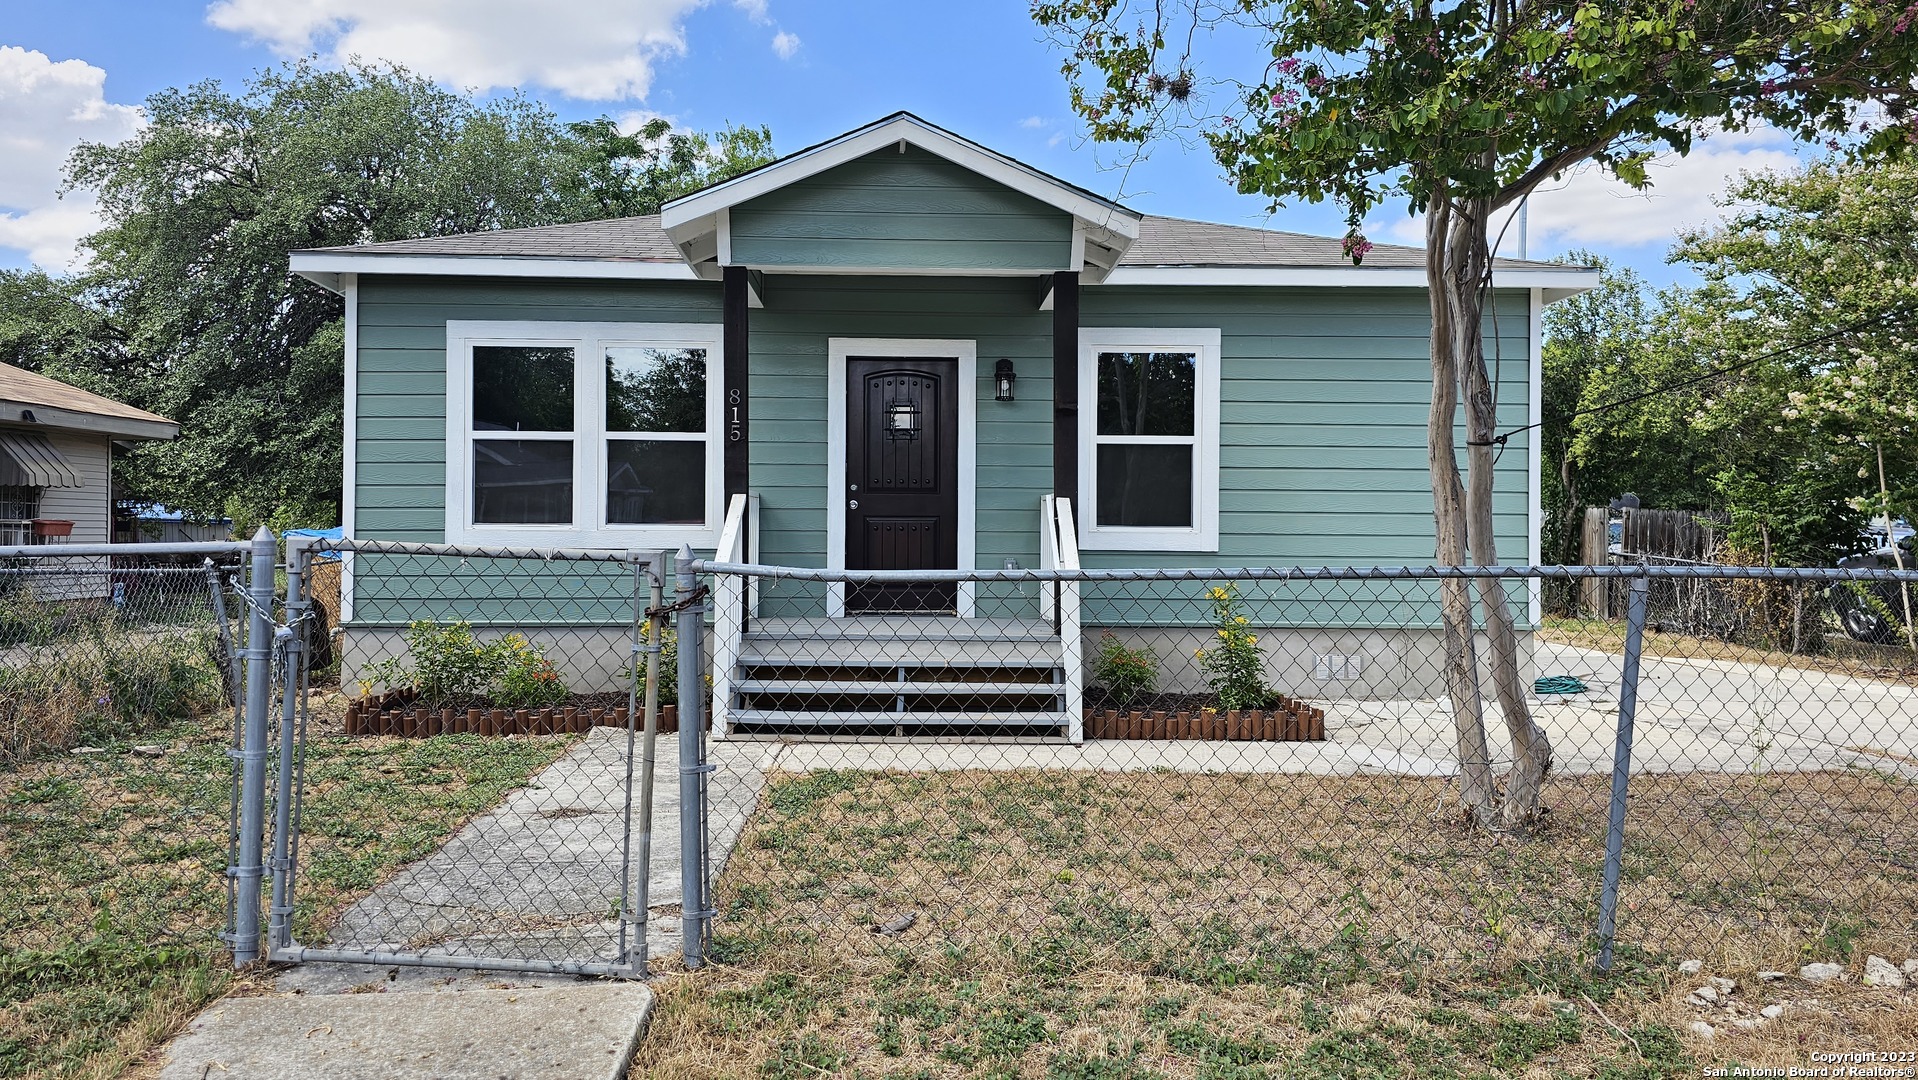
(1235, 666)
(1126, 674)
(450, 667)
(105, 684)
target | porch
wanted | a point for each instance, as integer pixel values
(954, 674)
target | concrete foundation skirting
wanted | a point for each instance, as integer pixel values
(1318, 663)
(590, 659)
(1388, 662)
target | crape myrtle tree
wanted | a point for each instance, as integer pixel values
(1460, 109)
(187, 307)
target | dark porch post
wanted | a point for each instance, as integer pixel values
(736, 414)
(1065, 386)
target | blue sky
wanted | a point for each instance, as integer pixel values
(78, 69)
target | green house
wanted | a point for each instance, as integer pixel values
(899, 349)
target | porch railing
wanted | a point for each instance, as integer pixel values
(734, 600)
(1059, 550)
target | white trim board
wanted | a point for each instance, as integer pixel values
(1564, 283)
(322, 268)
(350, 453)
(1534, 467)
(588, 436)
(838, 351)
(1203, 536)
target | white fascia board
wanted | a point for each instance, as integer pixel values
(693, 210)
(1561, 282)
(314, 266)
(52, 416)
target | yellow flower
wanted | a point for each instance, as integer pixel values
(1240, 620)
(1252, 639)
(1223, 634)
(1200, 653)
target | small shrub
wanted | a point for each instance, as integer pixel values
(1234, 666)
(1126, 674)
(452, 668)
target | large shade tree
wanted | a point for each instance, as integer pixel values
(187, 307)
(1460, 109)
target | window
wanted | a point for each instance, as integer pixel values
(588, 433)
(1149, 439)
(18, 507)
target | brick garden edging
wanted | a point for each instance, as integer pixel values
(392, 714)
(1292, 721)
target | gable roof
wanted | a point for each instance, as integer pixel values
(57, 404)
(691, 216)
(688, 240)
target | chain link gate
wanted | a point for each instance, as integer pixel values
(562, 662)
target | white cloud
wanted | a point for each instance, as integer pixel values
(1591, 208)
(785, 44)
(1033, 122)
(599, 50)
(46, 107)
(754, 9)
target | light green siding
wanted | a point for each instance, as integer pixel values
(400, 474)
(906, 211)
(1324, 398)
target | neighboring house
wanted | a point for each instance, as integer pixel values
(893, 350)
(56, 452)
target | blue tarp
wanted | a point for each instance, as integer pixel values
(337, 532)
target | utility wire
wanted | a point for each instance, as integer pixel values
(1706, 376)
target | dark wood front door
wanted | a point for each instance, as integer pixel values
(902, 478)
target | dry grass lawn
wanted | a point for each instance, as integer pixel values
(1080, 926)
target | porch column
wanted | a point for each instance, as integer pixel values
(736, 402)
(1065, 386)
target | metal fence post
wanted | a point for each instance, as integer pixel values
(1621, 771)
(248, 868)
(692, 729)
(292, 638)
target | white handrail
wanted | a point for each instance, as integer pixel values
(1048, 555)
(1071, 641)
(729, 609)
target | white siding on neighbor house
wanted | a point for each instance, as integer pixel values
(90, 508)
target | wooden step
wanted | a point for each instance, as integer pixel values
(892, 689)
(844, 718)
(760, 649)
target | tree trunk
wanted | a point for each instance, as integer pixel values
(1449, 512)
(1457, 264)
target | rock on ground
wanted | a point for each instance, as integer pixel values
(1821, 972)
(1882, 972)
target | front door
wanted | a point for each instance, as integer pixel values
(902, 479)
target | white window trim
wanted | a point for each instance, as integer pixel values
(588, 341)
(1204, 533)
(838, 351)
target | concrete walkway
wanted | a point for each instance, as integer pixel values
(537, 877)
(1693, 715)
(573, 1033)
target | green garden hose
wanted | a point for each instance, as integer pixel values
(1559, 684)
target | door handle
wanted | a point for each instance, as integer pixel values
(852, 504)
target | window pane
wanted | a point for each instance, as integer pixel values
(1145, 485)
(656, 483)
(655, 389)
(522, 388)
(1146, 393)
(522, 482)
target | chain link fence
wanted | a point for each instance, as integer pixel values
(1212, 772)
(533, 665)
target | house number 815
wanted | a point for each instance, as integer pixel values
(735, 427)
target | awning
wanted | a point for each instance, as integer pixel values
(28, 459)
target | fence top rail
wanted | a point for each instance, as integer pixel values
(473, 551)
(1313, 573)
(78, 551)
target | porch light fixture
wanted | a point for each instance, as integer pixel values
(1002, 378)
(902, 419)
